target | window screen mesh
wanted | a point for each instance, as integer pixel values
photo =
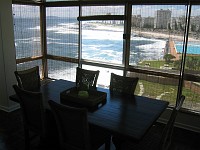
(157, 35)
(193, 49)
(62, 70)
(62, 40)
(102, 40)
(27, 31)
(192, 64)
(30, 64)
(156, 87)
(154, 33)
(102, 10)
(62, 31)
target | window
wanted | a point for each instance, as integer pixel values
(191, 86)
(62, 70)
(62, 41)
(154, 33)
(155, 29)
(96, 37)
(102, 38)
(102, 41)
(62, 31)
(27, 34)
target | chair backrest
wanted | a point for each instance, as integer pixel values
(88, 77)
(123, 85)
(168, 130)
(28, 79)
(72, 126)
(32, 110)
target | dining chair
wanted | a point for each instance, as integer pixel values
(87, 77)
(123, 85)
(28, 79)
(154, 139)
(75, 133)
(33, 113)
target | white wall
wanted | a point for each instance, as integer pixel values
(7, 56)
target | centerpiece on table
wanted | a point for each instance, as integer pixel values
(83, 96)
(83, 90)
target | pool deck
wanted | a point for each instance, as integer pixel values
(172, 49)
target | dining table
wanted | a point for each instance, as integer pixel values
(126, 116)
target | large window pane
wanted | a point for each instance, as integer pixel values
(192, 65)
(62, 40)
(62, 70)
(30, 64)
(193, 49)
(27, 31)
(192, 92)
(62, 31)
(102, 40)
(157, 87)
(155, 32)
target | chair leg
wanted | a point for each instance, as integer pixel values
(107, 143)
(117, 141)
(27, 140)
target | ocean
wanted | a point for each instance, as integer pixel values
(101, 42)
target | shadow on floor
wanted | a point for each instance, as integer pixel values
(12, 135)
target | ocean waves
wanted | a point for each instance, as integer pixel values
(100, 42)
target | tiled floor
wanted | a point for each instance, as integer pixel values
(12, 138)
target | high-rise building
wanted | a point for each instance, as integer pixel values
(162, 19)
(136, 21)
(148, 22)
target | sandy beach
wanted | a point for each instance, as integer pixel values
(152, 34)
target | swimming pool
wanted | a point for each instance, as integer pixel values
(192, 48)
